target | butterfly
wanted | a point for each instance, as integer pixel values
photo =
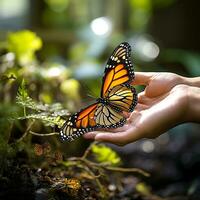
(117, 96)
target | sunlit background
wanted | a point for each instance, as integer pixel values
(64, 56)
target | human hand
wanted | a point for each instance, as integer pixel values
(151, 117)
(158, 84)
(161, 106)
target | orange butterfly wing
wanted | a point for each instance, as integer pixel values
(79, 123)
(116, 88)
(86, 117)
(119, 69)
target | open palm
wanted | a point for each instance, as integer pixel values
(159, 108)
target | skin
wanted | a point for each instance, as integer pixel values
(168, 100)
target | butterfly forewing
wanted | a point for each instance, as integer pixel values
(94, 116)
(119, 69)
(117, 95)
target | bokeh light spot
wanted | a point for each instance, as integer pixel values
(101, 26)
(147, 146)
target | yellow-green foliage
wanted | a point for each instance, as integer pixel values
(48, 114)
(143, 189)
(24, 44)
(23, 98)
(105, 154)
(70, 87)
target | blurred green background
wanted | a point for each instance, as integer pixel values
(80, 35)
(60, 47)
(53, 54)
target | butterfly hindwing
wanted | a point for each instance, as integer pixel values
(122, 97)
(107, 117)
(94, 116)
(119, 68)
(117, 96)
(79, 123)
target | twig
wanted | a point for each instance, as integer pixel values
(26, 132)
(101, 187)
(9, 131)
(89, 170)
(24, 108)
(121, 169)
(87, 151)
(90, 166)
(42, 135)
(106, 167)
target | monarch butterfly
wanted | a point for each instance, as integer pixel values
(117, 95)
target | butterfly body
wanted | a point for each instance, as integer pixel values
(117, 96)
(104, 101)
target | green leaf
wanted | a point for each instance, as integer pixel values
(48, 114)
(45, 118)
(104, 154)
(23, 98)
(22, 90)
(24, 44)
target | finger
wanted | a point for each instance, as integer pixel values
(146, 100)
(142, 78)
(140, 107)
(120, 129)
(91, 135)
(114, 138)
(126, 114)
(119, 138)
(140, 96)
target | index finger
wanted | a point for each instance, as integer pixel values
(119, 138)
(142, 78)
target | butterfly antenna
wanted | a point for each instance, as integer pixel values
(91, 96)
(90, 93)
(89, 99)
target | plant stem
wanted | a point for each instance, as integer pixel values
(24, 111)
(42, 135)
(26, 132)
(120, 169)
(106, 167)
(88, 168)
(87, 151)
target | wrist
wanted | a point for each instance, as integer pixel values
(194, 104)
(195, 82)
(181, 98)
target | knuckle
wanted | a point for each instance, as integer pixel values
(181, 88)
(181, 93)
